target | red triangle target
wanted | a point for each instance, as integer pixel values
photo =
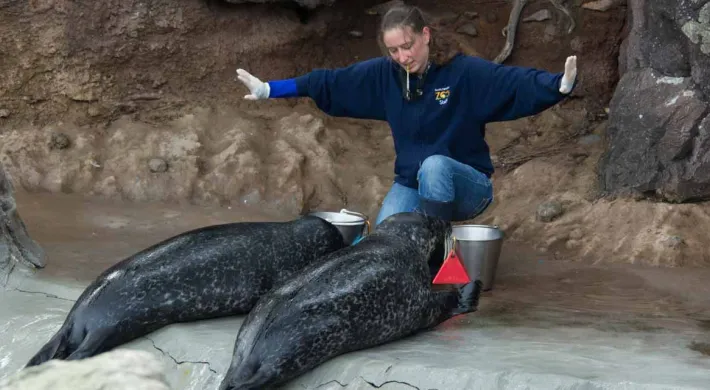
(452, 271)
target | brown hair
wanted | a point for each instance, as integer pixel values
(441, 51)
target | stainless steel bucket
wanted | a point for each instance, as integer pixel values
(478, 247)
(351, 224)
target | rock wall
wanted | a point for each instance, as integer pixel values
(659, 129)
(89, 62)
(140, 101)
(16, 245)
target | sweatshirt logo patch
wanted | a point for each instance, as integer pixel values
(442, 95)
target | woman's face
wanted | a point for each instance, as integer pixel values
(408, 48)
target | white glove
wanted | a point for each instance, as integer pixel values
(569, 76)
(258, 89)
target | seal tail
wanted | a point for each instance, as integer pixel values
(56, 348)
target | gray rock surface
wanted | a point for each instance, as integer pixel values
(120, 369)
(670, 37)
(658, 123)
(548, 211)
(658, 138)
(16, 245)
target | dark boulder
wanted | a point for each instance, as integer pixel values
(16, 245)
(658, 124)
(310, 4)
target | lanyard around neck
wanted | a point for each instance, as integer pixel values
(419, 91)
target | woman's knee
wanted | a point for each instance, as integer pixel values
(435, 178)
(398, 199)
(433, 167)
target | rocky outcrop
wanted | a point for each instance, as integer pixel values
(670, 37)
(309, 4)
(121, 369)
(16, 245)
(659, 123)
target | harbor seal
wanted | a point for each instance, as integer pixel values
(375, 292)
(209, 272)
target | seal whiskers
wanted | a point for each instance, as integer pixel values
(357, 297)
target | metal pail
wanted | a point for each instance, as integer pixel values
(351, 224)
(478, 247)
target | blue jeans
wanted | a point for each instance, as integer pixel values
(463, 189)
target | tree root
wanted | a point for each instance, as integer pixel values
(601, 5)
(565, 11)
(510, 29)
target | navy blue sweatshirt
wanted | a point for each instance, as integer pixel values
(448, 119)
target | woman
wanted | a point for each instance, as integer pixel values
(437, 105)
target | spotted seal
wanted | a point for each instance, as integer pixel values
(377, 291)
(209, 272)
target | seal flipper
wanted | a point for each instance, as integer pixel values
(446, 304)
(469, 295)
(92, 344)
(56, 348)
(256, 382)
(441, 307)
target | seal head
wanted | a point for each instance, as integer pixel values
(428, 233)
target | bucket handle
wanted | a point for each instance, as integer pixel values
(453, 243)
(363, 216)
